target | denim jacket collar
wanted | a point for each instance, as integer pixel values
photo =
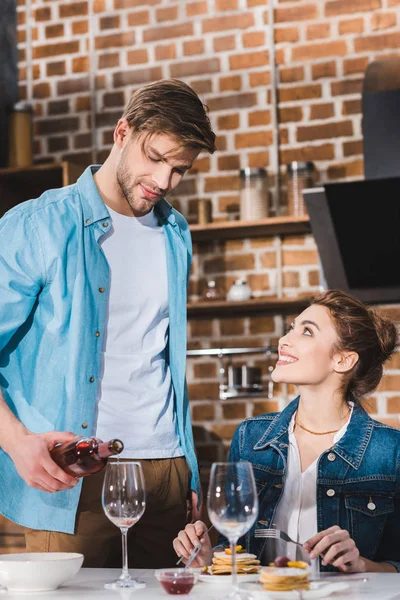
(351, 447)
(94, 209)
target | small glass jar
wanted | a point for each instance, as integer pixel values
(254, 202)
(211, 291)
(300, 175)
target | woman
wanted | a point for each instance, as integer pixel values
(326, 473)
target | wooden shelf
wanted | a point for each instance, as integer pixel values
(224, 308)
(242, 229)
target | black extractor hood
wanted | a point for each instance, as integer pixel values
(356, 224)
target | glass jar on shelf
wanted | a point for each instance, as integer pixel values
(211, 291)
(254, 200)
(300, 175)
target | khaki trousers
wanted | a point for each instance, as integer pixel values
(149, 540)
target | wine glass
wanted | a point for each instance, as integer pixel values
(124, 501)
(232, 506)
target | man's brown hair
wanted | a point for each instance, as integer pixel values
(170, 107)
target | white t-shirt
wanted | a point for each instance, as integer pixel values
(135, 397)
(296, 513)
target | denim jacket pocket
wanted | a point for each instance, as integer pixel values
(367, 515)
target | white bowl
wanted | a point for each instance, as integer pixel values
(38, 571)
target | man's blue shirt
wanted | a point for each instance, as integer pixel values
(54, 280)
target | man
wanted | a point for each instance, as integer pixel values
(93, 282)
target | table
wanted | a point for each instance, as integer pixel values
(89, 585)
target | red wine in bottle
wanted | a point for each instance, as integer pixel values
(85, 456)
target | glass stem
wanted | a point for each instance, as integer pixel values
(125, 572)
(234, 568)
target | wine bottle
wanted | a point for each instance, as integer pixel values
(85, 456)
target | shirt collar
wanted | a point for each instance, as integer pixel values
(94, 208)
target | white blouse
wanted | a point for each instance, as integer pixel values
(296, 513)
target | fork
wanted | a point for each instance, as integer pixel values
(275, 534)
(195, 550)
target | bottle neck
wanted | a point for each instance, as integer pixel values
(106, 449)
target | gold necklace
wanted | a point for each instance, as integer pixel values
(297, 422)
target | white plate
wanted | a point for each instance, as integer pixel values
(222, 579)
(318, 589)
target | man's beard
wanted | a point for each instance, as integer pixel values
(125, 183)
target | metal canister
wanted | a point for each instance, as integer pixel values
(254, 201)
(300, 175)
(21, 136)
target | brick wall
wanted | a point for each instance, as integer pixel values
(220, 47)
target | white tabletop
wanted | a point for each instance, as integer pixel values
(89, 584)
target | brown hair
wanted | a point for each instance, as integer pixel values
(363, 330)
(171, 107)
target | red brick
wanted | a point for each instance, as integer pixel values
(135, 57)
(230, 162)
(355, 65)
(203, 412)
(80, 27)
(168, 13)
(291, 279)
(50, 50)
(58, 107)
(259, 79)
(377, 43)
(251, 39)
(239, 21)
(286, 35)
(290, 114)
(229, 204)
(196, 67)
(258, 159)
(341, 7)
(54, 30)
(264, 407)
(106, 61)
(351, 26)
(255, 138)
(110, 22)
(232, 101)
(168, 32)
(72, 86)
(139, 18)
(82, 103)
(259, 117)
(201, 86)
(292, 258)
(227, 42)
(352, 148)
(304, 92)
(317, 51)
(194, 9)
(383, 21)
(118, 4)
(73, 9)
(136, 76)
(112, 99)
(225, 431)
(193, 47)
(291, 74)
(325, 131)
(268, 260)
(313, 278)
(231, 326)
(393, 405)
(203, 391)
(40, 14)
(99, 6)
(344, 170)
(217, 184)
(352, 107)
(226, 5)
(82, 140)
(165, 52)
(41, 90)
(322, 111)
(50, 126)
(248, 60)
(313, 153)
(80, 64)
(348, 86)
(305, 12)
(115, 40)
(228, 122)
(55, 68)
(389, 383)
(318, 31)
(234, 410)
(205, 370)
(231, 83)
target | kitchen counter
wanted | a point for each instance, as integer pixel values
(89, 584)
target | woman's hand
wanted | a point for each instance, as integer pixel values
(187, 540)
(337, 548)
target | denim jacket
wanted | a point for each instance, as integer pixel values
(358, 487)
(54, 281)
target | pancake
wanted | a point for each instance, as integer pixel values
(245, 563)
(285, 579)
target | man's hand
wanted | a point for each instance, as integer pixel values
(193, 513)
(336, 547)
(187, 540)
(30, 454)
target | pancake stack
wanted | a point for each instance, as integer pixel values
(285, 579)
(246, 563)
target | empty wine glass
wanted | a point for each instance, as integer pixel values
(232, 506)
(124, 501)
